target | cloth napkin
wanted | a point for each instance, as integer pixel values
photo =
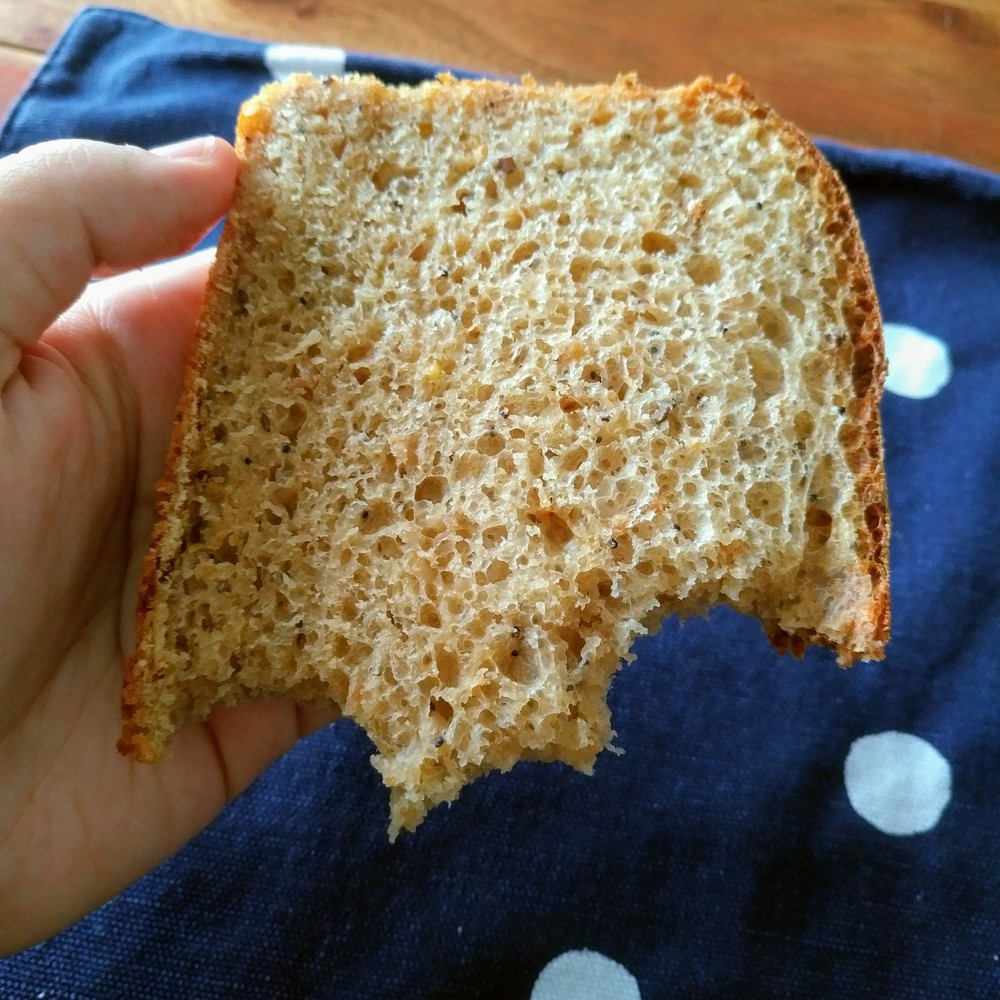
(773, 828)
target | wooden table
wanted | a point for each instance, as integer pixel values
(919, 74)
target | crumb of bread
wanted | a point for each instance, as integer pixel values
(490, 379)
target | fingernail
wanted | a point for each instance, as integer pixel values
(199, 148)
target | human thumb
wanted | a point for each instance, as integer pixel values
(71, 208)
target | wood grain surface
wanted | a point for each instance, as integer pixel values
(918, 74)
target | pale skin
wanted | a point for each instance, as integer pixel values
(90, 374)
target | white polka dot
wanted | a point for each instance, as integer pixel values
(919, 364)
(585, 975)
(897, 782)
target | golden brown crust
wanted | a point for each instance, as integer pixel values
(869, 370)
(137, 740)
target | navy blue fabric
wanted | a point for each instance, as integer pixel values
(120, 77)
(719, 856)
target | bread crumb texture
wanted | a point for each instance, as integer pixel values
(490, 379)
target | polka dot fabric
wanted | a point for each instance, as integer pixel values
(773, 828)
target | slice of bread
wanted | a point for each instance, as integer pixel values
(491, 378)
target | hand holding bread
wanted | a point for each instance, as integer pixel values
(89, 379)
(489, 378)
